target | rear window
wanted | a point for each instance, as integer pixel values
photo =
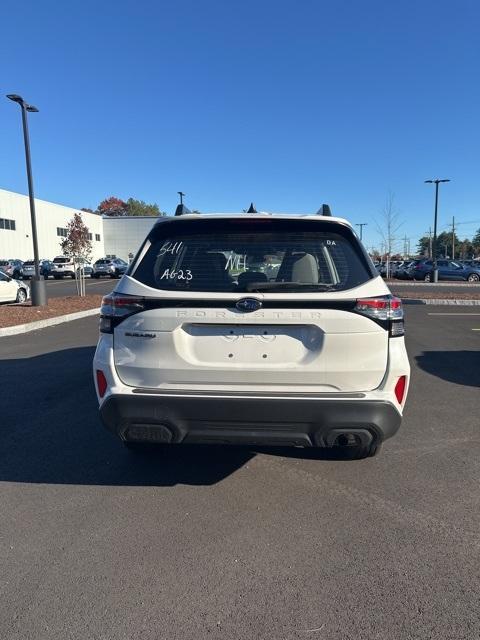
(61, 260)
(247, 255)
(28, 263)
(103, 261)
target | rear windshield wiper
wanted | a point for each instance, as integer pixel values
(279, 286)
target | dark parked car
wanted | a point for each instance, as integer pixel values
(405, 272)
(447, 270)
(29, 269)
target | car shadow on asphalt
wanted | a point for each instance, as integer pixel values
(459, 367)
(51, 432)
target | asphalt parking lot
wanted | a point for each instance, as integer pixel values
(66, 287)
(232, 543)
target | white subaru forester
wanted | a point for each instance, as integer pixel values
(256, 329)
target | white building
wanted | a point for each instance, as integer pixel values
(124, 235)
(109, 236)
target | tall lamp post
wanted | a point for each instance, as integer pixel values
(436, 182)
(38, 290)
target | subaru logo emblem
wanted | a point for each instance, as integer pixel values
(248, 304)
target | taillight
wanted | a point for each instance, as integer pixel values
(386, 310)
(400, 388)
(116, 307)
(101, 383)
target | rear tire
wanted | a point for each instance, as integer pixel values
(428, 277)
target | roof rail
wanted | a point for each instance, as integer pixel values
(324, 210)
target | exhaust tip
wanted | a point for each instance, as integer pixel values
(348, 438)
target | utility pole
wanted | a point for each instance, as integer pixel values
(430, 243)
(361, 225)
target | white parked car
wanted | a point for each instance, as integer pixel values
(13, 290)
(61, 267)
(200, 343)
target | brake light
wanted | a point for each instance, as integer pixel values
(400, 388)
(101, 383)
(116, 307)
(386, 310)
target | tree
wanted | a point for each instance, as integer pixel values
(476, 241)
(389, 225)
(77, 245)
(444, 244)
(87, 210)
(141, 208)
(464, 249)
(423, 246)
(112, 207)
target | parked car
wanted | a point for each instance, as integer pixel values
(62, 266)
(112, 267)
(382, 268)
(12, 267)
(87, 268)
(12, 290)
(470, 263)
(395, 266)
(195, 349)
(447, 270)
(405, 271)
(29, 269)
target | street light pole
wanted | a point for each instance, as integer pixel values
(434, 247)
(361, 225)
(38, 290)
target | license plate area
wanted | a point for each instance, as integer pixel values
(253, 345)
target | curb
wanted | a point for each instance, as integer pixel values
(454, 302)
(48, 322)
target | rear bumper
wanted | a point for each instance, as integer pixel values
(250, 420)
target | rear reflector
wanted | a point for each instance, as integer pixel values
(101, 383)
(400, 388)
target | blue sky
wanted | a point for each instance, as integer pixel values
(289, 104)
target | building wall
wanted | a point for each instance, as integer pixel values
(49, 216)
(125, 235)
